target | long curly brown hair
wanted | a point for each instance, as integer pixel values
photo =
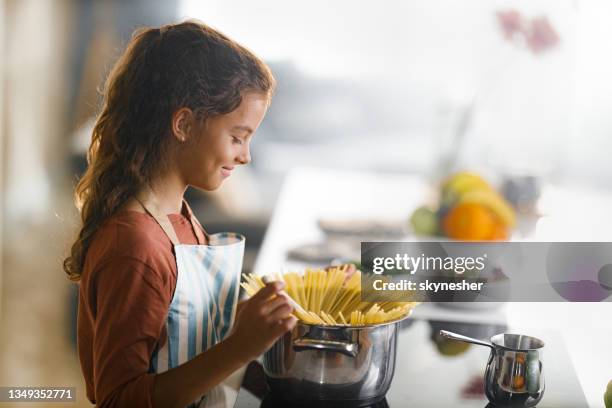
(162, 69)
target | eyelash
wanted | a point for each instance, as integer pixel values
(236, 140)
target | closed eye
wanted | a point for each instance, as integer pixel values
(236, 140)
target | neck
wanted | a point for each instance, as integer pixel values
(169, 190)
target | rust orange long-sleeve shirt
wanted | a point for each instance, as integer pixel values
(125, 291)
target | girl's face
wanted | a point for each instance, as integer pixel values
(217, 145)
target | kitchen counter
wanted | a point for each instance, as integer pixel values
(309, 194)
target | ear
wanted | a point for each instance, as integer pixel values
(182, 124)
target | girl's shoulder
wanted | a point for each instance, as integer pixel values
(133, 230)
(131, 235)
(128, 249)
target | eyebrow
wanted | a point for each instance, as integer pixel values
(243, 128)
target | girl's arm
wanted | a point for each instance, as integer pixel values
(186, 383)
(261, 321)
(127, 302)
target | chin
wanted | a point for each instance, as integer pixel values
(209, 185)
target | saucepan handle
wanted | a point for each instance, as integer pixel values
(349, 349)
(466, 339)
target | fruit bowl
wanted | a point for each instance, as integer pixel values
(469, 209)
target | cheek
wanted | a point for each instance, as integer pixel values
(194, 159)
(204, 159)
(225, 153)
(211, 157)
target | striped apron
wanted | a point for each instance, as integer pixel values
(203, 307)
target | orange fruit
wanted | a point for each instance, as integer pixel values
(499, 233)
(469, 222)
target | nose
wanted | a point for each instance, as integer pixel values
(245, 155)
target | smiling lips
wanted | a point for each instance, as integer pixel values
(226, 171)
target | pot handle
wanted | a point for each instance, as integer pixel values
(465, 339)
(348, 349)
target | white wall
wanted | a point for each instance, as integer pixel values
(591, 141)
(546, 113)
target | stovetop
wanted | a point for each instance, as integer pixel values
(272, 401)
(432, 372)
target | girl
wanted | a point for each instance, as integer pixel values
(158, 295)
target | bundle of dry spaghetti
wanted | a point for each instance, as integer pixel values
(329, 299)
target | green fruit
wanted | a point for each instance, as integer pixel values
(608, 396)
(424, 221)
(451, 348)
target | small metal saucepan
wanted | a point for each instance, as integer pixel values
(514, 374)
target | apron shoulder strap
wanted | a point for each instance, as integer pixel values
(198, 229)
(148, 202)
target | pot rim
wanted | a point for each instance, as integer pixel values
(348, 326)
(496, 344)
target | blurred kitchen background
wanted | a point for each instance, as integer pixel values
(514, 90)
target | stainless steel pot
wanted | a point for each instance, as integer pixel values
(333, 363)
(514, 375)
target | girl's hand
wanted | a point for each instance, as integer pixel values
(239, 306)
(261, 321)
